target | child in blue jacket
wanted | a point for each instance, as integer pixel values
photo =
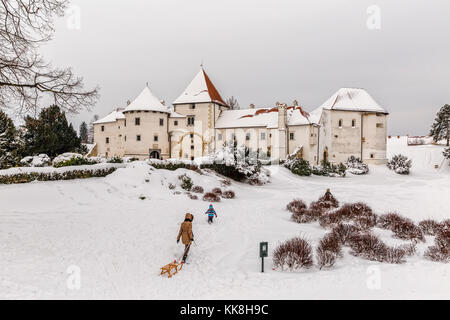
(211, 213)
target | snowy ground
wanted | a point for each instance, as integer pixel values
(119, 242)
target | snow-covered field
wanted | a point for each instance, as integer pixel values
(119, 242)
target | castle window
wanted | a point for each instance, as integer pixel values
(138, 137)
(107, 140)
(340, 123)
(372, 156)
(192, 106)
(192, 147)
(190, 120)
(191, 136)
(175, 123)
(263, 136)
(291, 136)
(125, 123)
(137, 121)
(353, 123)
(247, 136)
(125, 137)
(103, 128)
(379, 125)
(161, 122)
(155, 138)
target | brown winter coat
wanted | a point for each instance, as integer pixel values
(186, 230)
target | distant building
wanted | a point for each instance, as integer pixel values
(350, 123)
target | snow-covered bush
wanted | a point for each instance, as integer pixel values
(115, 159)
(211, 197)
(72, 159)
(239, 164)
(217, 191)
(298, 166)
(328, 169)
(296, 205)
(293, 254)
(228, 194)
(400, 164)
(197, 189)
(41, 160)
(367, 246)
(186, 182)
(54, 176)
(328, 251)
(356, 166)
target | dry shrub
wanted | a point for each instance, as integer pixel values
(197, 189)
(343, 232)
(300, 212)
(225, 182)
(293, 254)
(440, 252)
(368, 246)
(193, 196)
(430, 227)
(217, 191)
(329, 250)
(324, 204)
(360, 213)
(228, 194)
(211, 197)
(402, 227)
(296, 205)
(394, 255)
(410, 249)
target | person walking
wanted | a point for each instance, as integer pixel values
(211, 213)
(186, 234)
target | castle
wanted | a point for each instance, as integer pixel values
(349, 123)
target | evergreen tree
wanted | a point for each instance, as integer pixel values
(83, 132)
(50, 134)
(441, 126)
(9, 142)
(447, 154)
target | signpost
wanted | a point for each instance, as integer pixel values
(263, 252)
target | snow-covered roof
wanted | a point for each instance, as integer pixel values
(146, 101)
(201, 89)
(352, 99)
(174, 114)
(261, 117)
(112, 117)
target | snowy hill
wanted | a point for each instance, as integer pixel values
(119, 242)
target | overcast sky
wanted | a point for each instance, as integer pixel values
(263, 51)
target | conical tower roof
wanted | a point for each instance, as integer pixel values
(201, 89)
(146, 101)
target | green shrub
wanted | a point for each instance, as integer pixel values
(75, 162)
(54, 176)
(115, 159)
(186, 182)
(300, 167)
(328, 169)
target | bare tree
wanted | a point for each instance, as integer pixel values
(25, 77)
(233, 103)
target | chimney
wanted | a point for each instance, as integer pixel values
(252, 106)
(295, 103)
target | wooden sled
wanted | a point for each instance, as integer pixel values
(174, 266)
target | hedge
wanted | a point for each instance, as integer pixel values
(54, 176)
